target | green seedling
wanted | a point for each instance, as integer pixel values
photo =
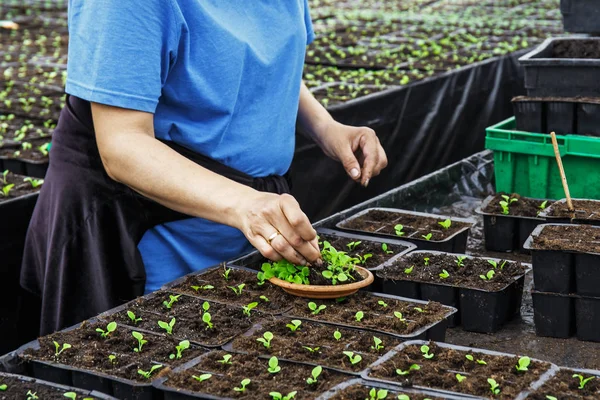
(133, 318)
(314, 375)
(426, 261)
(274, 365)
(582, 381)
(460, 378)
(147, 374)
(375, 394)
(58, 349)
(3, 387)
(445, 224)
(202, 378)
(32, 395)
(382, 303)
(551, 398)
(167, 326)
(264, 298)
(112, 358)
(226, 273)
(249, 307)
(378, 344)
(311, 349)
(505, 204)
(542, 207)
(359, 316)
(110, 328)
(444, 274)
(414, 367)
(204, 287)
(237, 289)
(6, 190)
(172, 299)
(488, 276)
(523, 364)
(426, 354)
(398, 229)
(71, 395)
(363, 259)
(316, 309)
(243, 385)
(226, 360)
(207, 319)
(294, 325)
(471, 358)
(261, 278)
(4, 176)
(141, 341)
(337, 335)
(418, 309)
(409, 271)
(206, 306)
(34, 182)
(460, 261)
(266, 339)
(428, 236)
(354, 358)
(183, 345)
(279, 396)
(385, 249)
(353, 245)
(494, 386)
(398, 315)
(405, 397)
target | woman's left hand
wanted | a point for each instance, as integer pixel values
(357, 148)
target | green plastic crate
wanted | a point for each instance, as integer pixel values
(524, 163)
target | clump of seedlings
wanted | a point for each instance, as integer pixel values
(506, 202)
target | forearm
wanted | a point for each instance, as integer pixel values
(313, 118)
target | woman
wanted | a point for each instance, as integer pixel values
(176, 136)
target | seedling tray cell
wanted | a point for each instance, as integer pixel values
(565, 271)
(456, 242)
(479, 310)
(367, 374)
(580, 217)
(27, 383)
(564, 385)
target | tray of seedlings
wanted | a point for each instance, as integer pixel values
(356, 389)
(233, 285)
(427, 231)
(486, 291)
(220, 375)
(107, 357)
(587, 212)
(30, 158)
(379, 314)
(23, 387)
(509, 219)
(202, 322)
(569, 384)
(17, 193)
(312, 343)
(448, 369)
(565, 258)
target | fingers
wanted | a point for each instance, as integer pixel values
(296, 229)
(349, 161)
(373, 155)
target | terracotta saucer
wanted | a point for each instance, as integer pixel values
(325, 291)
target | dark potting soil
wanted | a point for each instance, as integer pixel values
(327, 351)
(584, 209)
(414, 226)
(291, 377)
(377, 317)
(440, 371)
(21, 187)
(359, 392)
(90, 351)
(524, 207)
(17, 389)
(576, 49)
(269, 297)
(580, 238)
(467, 275)
(228, 321)
(563, 386)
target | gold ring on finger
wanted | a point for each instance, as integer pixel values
(273, 236)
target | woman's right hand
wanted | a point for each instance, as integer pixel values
(277, 227)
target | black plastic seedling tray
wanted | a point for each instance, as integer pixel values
(506, 233)
(581, 16)
(377, 385)
(435, 331)
(562, 316)
(534, 386)
(560, 77)
(35, 169)
(80, 392)
(478, 310)
(563, 220)
(455, 243)
(564, 272)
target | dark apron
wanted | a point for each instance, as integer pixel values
(81, 254)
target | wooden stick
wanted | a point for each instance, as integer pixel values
(562, 172)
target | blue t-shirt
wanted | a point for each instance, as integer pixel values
(222, 78)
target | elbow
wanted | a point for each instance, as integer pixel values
(110, 162)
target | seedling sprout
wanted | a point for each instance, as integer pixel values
(377, 394)
(315, 373)
(426, 354)
(409, 271)
(141, 341)
(494, 386)
(418, 309)
(445, 224)
(167, 326)
(34, 182)
(428, 236)
(204, 287)
(243, 385)
(3, 387)
(382, 303)
(414, 367)
(202, 378)
(112, 358)
(147, 374)
(444, 274)
(315, 310)
(264, 298)
(58, 349)
(460, 261)
(70, 395)
(274, 365)
(426, 261)
(337, 335)
(6, 190)
(505, 204)
(266, 339)
(226, 273)
(109, 329)
(353, 245)
(237, 289)
(226, 360)
(398, 315)
(359, 316)
(294, 325)
(471, 358)
(460, 378)
(523, 364)
(488, 276)
(4, 176)
(172, 299)
(384, 247)
(378, 344)
(32, 395)
(398, 229)
(183, 345)
(542, 207)
(133, 318)
(279, 396)
(249, 307)
(582, 381)
(354, 358)
(311, 349)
